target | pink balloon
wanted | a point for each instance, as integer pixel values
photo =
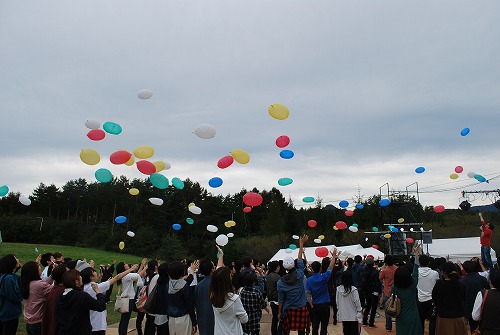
(409, 240)
(321, 252)
(247, 209)
(312, 223)
(252, 199)
(374, 246)
(96, 134)
(439, 209)
(146, 167)
(459, 169)
(341, 225)
(282, 141)
(120, 157)
(349, 213)
(225, 161)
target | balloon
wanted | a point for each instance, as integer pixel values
(112, 128)
(285, 181)
(292, 246)
(130, 233)
(375, 229)
(321, 252)
(335, 228)
(387, 236)
(288, 250)
(384, 202)
(401, 220)
(286, 154)
(401, 229)
(312, 223)
(103, 175)
(212, 228)
(394, 229)
(144, 94)
(144, 152)
(278, 111)
(120, 219)
(176, 226)
(374, 246)
(221, 240)
(282, 141)
(465, 132)
(120, 157)
(479, 178)
(409, 240)
(241, 156)
(355, 225)
(146, 167)
(471, 174)
(439, 209)
(160, 166)
(189, 220)
(156, 201)
(453, 176)
(411, 229)
(349, 213)
(121, 245)
(179, 184)
(252, 199)
(353, 229)
(341, 225)
(225, 161)
(133, 191)
(247, 209)
(308, 199)
(230, 235)
(321, 237)
(92, 124)
(90, 156)
(205, 131)
(295, 237)
(96, 134)
(195, 210)
(420, 169)
(191, 204)
(4, 190)
(360, 206)
(130, 162)
(229, 224)
(459, 169)
(24, 200)
(158, 180)
(343, 204)
(215, 182)
(317, 240)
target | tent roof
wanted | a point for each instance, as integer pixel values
(462, 249)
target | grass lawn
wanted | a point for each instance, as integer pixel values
(27, 252)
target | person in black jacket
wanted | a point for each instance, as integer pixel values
(73, 306)
(371, 289)
(473, 283)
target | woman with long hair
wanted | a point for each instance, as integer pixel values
(34, 291)
(10, 295)
(229, 313)
(349, 305)
(449, 297)
(159, 311)
(49, 314)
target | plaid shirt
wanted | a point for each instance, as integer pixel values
(296, 319)
(253, 302)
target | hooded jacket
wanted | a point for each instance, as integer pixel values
(10, 297)
(348, 304)
(291, 289)
(180, 299)
(230, 316)
(427, 278)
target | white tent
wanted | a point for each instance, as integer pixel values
(462, 249)
(346, 251)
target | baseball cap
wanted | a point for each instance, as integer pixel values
(289, 263)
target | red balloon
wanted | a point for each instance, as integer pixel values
(282, 141)
(374, 246)
(247, 209)
(96, 134)
(341, 225)
(349, 213)
(459, 169)
(439, 209)
(409, 240)
(120, 157)
(225, 161)
(321, 252)
(312, 223)
(252, 199)
(146, 167)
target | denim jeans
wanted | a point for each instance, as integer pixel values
(388, 319)
(125, 318)
(486, 257)
(34, 329)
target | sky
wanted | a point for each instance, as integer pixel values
(374, 90)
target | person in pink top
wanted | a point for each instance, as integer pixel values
(34, 292)
(486, 230)
(387, 276)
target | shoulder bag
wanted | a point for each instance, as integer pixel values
(477, 331)
(122, 302)
(393, 305)
(150, 303)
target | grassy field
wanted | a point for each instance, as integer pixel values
(27, 252)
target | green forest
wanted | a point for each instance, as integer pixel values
(83, 214)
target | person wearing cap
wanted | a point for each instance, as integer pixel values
(292, 309)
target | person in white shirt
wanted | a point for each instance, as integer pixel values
(427, 278)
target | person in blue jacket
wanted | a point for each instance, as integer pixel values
(10, 295)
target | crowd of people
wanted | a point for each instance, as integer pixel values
(70, 296)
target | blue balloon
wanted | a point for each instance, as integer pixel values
(215, 182)
(120, 219)
(384, 202)
(176, 226)
(344, 204)
(420, 169)
(394, 229)
(465, 132)
(286, 154)
(360, 206)
(479, 178)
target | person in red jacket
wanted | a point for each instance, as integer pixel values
(485, 239)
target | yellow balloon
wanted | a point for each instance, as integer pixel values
(191, 204)
(335, 228)
(144, 152)
(160, 166)
(241, 156)
(131, 161)
(133, 191)
(401, 220)
(90, 156)
(321, 237)
(453, 176)
(229, 223)
(278, 111)
(121, 245)
(387, 236)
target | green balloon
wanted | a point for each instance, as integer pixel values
(4, 190)
(159, 181)
(112, 128)
(189, 220)
(308, 199)
(285, 181)
(375, 229)
(103, 175)
(177, 183)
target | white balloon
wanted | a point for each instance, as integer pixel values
(145, 94)
(317, 240)
(288, 250)
(212, 228)
(402, 229)
(205, 131)
(131, 233)
(353, 229)
(156, 201)
(411, 229)
(167, 166)
(92, 124)
(471, 174)
(24, 200)
(230, 235)
(195, 210)
(295, 237)
(222, 240)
